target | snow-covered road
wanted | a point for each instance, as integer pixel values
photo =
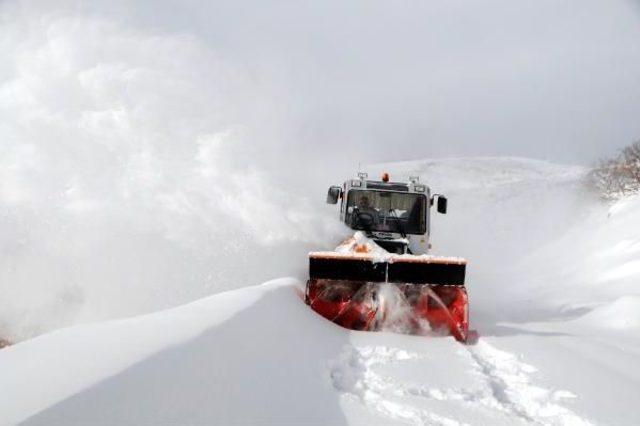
(478, 385)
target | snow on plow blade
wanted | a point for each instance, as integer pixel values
(408, 294)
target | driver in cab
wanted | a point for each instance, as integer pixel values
(365, 210)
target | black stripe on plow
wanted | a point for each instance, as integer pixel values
(353, 269)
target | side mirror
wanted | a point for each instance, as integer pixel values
(442, 204)
(333, 194)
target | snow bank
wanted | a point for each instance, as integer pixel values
(623, 313)
(256, 355)
(593, 264)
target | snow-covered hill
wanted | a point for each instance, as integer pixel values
(553, 283)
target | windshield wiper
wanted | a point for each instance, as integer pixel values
(400, 227)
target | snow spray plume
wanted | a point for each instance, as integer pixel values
(394, 313)
(131, 179)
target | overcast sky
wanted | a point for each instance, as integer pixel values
(391, 80)
(550, 79)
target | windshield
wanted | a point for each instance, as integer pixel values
(386, 211)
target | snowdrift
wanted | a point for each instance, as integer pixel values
(597, 263)
(255, 355)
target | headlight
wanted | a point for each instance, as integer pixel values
(418, 188)
(357, 183)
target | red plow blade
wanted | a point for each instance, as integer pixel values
(412, 295)
(405, 308)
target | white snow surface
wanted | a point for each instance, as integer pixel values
(553, 280)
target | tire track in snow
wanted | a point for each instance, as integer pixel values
(352, 373)
(505, 388)
(511, 388)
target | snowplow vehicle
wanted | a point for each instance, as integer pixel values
(383, 277)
